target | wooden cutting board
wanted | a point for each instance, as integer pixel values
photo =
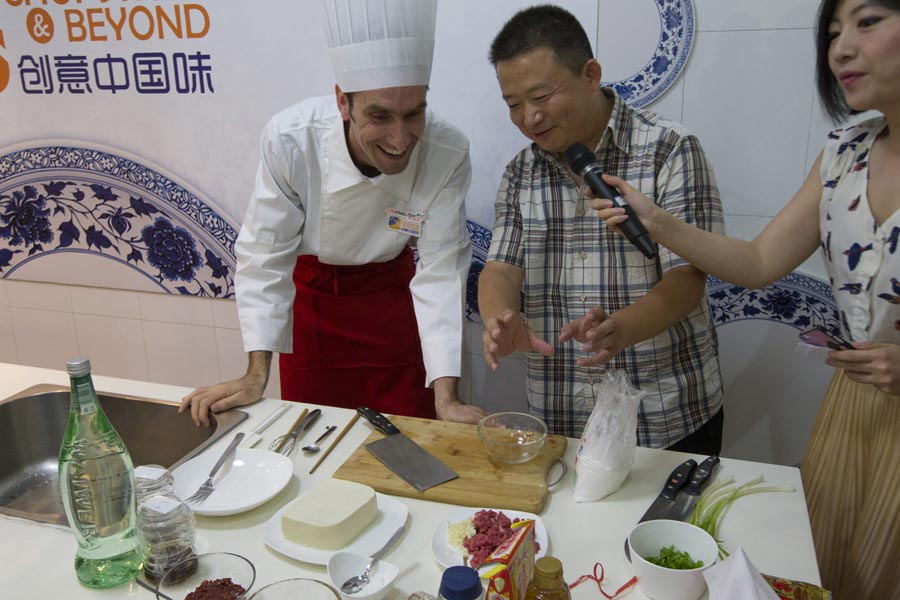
(481, 482)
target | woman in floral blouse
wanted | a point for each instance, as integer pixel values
(849, 207)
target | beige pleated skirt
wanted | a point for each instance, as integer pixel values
(851, 475)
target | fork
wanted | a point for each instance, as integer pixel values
(208, 487)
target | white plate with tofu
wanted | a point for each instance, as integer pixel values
(250, 479)
(322, 522)
(448, 555)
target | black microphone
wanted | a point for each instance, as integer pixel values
(584, 163)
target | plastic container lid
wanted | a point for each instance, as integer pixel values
(460, 583)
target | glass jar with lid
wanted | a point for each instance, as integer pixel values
(165, 524)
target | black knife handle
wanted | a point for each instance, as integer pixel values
(678, 479)
(378, 420)
(701, 476)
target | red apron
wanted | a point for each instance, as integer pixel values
(356, 341)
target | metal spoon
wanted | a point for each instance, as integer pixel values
(314, 447)
(358, 582)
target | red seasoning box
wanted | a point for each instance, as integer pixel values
(509, 568)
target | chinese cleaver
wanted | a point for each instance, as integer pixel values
(663, 505)
(403, 456)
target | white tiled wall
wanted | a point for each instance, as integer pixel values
(135, 335)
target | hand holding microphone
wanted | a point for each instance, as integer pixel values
(583, 162)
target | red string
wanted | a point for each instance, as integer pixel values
(598, 579)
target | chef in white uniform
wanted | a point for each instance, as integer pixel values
(346, 187)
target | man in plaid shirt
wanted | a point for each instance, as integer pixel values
(591, 299)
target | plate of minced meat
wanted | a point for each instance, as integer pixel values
(467, 536)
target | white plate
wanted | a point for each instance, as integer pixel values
(250, 479)
(391, 515)
(449, 556)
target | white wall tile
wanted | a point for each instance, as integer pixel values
(114, 345)
(747, 97)
(38, 296)
(4, 301)
(273, 389)
(181, 354)
(472, 340)
(626, 24)
(105, 302)
(671, 105)
(172, 308)
(80, 268)
(769, 418)
(500, 390)
(225, 314)
(231, 355)
(8, 351)
(719, 15)
(44, 338)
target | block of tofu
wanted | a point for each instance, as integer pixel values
(331, 515)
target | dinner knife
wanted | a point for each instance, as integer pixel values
(687, 499)
(662, 506)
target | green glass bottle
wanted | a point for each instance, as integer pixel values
(96, 479)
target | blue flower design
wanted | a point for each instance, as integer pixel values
(26, 219)
(219, 269)
(5, 258)
(171, 250)
(783, 303)
(660, 64)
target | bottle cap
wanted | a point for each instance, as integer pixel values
(548, 570)
(460, 583)
(78, 366)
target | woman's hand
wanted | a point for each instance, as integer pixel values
(642, 206)
(875, 363)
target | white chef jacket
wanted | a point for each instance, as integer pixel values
(310, 199)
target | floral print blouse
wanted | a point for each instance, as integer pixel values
(861, 255)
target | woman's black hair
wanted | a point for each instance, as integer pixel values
(830, 93)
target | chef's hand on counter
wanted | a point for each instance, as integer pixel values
(449, 407)
(598, 333)
(875, 363)
(239, 392)
(508, 333)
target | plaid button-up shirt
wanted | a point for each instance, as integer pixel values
(573, 262)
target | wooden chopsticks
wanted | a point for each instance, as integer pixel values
(335, 442)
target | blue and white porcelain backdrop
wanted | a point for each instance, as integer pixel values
(657, 55)
(68, 198)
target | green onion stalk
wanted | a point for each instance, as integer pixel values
(718, 497)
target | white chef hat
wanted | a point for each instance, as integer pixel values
(376, 44)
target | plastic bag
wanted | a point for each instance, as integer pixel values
(606, 452)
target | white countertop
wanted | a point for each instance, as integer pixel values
(773, 528)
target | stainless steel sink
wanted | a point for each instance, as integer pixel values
(32, 425)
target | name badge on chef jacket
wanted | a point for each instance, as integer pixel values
(405, 221)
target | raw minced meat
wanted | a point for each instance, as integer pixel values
(492, 528)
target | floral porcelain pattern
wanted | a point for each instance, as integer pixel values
(676, 38)
(66, 198)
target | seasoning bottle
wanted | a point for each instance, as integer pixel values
(548, 583)
(165, 525)
(460, 583)
(96, 479)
